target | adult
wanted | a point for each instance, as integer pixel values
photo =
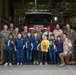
(67, 51)
(24, 33)
(57, 31)
(47, 32)
(11, 27)
(70, 33)
(39, 33)
(5, 33)
(15, 32)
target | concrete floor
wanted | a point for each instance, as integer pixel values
(38, 70)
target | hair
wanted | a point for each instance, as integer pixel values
(12, 36)
(64, 34)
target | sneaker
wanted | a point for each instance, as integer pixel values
(17, 63)
(46, 63)
(5, 64)
(10, 64)
(20, 63)
(34, 62)
(40, 63)
(37, 62)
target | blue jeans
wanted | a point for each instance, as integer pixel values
(19, 55)
(8, 56)
(43, 56)
(52, 54)
(28, 55)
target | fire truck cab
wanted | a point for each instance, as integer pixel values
(41, 19)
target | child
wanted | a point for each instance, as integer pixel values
(59, 46)
(52, 49)
(9, 50)
(29, 47)
(36, 42)
(44, 49)
(19, 43)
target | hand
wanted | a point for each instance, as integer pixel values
(15, 49)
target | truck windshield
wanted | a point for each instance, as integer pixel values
(38, 19)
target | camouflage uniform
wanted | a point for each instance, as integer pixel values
(38, 32)
(24, 34)
(71, 35)
(10, 30)
(4, 37)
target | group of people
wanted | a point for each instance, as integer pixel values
(36, 47)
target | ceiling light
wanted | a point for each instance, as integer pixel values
(31, 3)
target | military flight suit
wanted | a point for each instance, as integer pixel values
(5, 35)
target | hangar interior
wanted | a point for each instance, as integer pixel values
(14, 10)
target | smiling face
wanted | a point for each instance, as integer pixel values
(19, 35)
(5, 27)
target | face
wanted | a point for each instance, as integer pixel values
(45, 37)
(5, 27)
(51, 37)
(11, 25)
(25, 28)
(37, 29)
(57, 26)
(48, 28)
(29, 34)
(16, 29)
(35, 34)
(64, 36)
(10, 37)
(67, 26)
(58, 38)
(19, 35)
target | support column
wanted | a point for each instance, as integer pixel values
(0, 14)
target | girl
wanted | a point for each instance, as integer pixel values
(59, 46)
(52, 49)
(19, 43)
(44, 49)
(36, 42)
(9, 50)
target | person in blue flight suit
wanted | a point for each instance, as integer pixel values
(59, 46)
(9, 44)
(36, 42)
(19, 43)
(52, 49)
(29, 47)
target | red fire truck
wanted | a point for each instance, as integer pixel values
(41, 19)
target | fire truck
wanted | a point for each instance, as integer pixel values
(41, 19)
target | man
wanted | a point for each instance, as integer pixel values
(39, 33)
(1, 51)
(47, 32)
(70, 33)
(24, 33)
(67, 52)
(5, 33)
(15, 32)
(57, 31)
(11, 27)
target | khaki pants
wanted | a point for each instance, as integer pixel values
(66, 58)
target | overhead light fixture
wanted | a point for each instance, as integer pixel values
(55, 18)
(31, 3)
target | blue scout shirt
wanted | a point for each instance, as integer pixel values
(52, 43)
(28, 40)
(59, 46)
(9, 45)
(36, 41)
(19, 43)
